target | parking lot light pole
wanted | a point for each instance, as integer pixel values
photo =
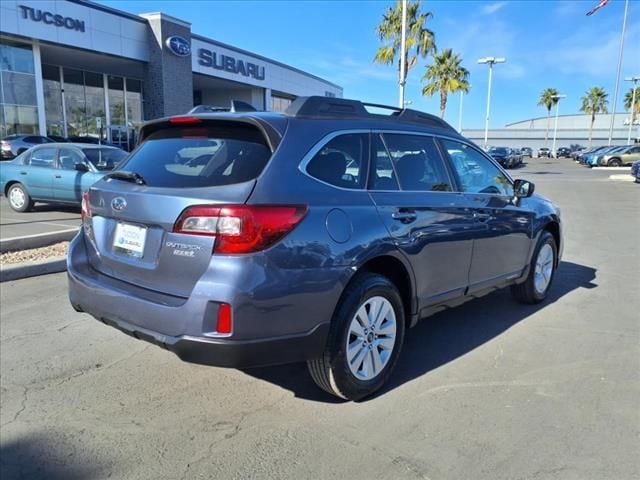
(634, 81)
(491, 61)
(403, 53)
(555, 127)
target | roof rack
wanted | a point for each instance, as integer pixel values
(330, 107)
(235, 106)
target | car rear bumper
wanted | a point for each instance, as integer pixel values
(221, 352)
(286, 330)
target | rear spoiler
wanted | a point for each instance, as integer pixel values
(236, 106)
(271, 135)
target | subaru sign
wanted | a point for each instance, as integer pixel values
(178, 46)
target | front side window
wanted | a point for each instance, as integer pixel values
(43, 157)
(68, 157)
(342, 161)
(417, 163)
(477, 174)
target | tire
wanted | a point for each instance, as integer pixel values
(332, 372)
(19, 199)
(530, 291)
(614, 162)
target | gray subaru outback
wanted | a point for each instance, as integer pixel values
(318, 235)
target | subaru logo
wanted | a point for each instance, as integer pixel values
(178, 46)
(118, 204)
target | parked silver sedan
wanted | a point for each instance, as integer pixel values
(14, 145)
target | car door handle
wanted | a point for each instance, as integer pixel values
(23, 173)
(58, 176)
(404, 216)
(483, 216)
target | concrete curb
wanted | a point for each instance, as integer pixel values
(32, 269)
(37, 240)
(622, 178)
(613, 169)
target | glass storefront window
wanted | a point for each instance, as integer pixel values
(134, 101)
(18, 112)
(94, 96)
(20, 119)
(280, 104)
(75, 102)
(15, 57)
(116, 99)
(52, 99)
(19, 88)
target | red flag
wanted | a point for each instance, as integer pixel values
(597, 7)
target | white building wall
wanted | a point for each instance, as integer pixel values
(277, 77)
(104, 32)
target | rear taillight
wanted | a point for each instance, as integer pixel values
(241, 228)
(85, 210)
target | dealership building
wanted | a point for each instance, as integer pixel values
(569, 130)
(75, 68)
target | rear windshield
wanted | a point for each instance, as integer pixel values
(200, 156)
(104, 158)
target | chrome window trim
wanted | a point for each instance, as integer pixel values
(302, 166)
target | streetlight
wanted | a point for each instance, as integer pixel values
(491, 61)
(633, 103)
(403, 53)
(555, 127)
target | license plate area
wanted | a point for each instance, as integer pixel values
(129, 239)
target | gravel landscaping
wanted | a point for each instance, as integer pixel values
(43, 253)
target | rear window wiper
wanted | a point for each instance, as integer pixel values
(127, 176)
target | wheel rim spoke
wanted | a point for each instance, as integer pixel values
(543, 268)
(377, 361)
(371, 338)
(356, 363)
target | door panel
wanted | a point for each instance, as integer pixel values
(502, 244)
(38, 175)
(69, 183)
(432, 226)
(503, 235)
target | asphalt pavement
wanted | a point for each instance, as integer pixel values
(491, 390)
(43, 219)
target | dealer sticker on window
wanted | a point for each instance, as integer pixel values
(129, 239)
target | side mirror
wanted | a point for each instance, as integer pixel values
(81, 167)
(523, 188)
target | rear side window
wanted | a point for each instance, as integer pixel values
(342, 162)
(43, 157)
(200, 156)
(417, 163)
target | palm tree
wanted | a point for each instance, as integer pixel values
(446, 75)
(628, 98)
(420, 41)
(548, 99)
(594, 102)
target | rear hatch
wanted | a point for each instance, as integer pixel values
(130, 215)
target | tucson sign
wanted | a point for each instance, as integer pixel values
(37, 15)
(227, 63)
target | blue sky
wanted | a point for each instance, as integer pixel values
(548, 43)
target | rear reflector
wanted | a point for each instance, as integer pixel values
(85, 209)
(241, 228)
(184, 120)
(225, 322)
